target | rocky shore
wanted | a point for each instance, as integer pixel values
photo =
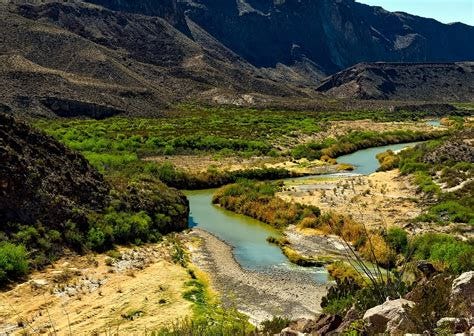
(261, 295)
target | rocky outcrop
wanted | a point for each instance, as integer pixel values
(438, 82)
(331, 34)
(389, 317)
(68, 108)
(462, 294)
(452, 150)
(43, 181)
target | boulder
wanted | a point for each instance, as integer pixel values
(462, 293)
(426, 268)
(388, 317)
(325, 324)
(303, 325)
(290, 332)
(351, 316)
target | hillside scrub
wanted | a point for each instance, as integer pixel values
(13, 262)
(437, 165)
(53, 201)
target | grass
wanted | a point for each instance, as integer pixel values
(210, 317)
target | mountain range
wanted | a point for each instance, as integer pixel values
(138, 57)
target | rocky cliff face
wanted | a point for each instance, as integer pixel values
(43, 181)
(447, 81)
(140, 57)
(332, 34)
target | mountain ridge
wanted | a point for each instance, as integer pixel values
(108, 57)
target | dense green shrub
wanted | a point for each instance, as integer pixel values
(13, 262)
(457, 256)
(397, 239)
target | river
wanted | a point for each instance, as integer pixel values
(248, 236)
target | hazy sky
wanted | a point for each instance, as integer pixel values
(442, 10)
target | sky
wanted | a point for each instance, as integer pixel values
(446, 11)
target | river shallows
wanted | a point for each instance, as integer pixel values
(365, 161)
(248, 236)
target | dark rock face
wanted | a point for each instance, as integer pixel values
(332, 34)
(72, 108)
(167, 9)
(443, 81)
(41, 180)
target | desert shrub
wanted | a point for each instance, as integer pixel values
(340, 297)
(451, 211)
(274, 325)
(397, 239)
(13, 262)
(378, 251)
(388, 160)
(457, 256)
(432, 303)
(342, 270)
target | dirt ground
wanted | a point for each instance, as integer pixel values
(380, 199)
(89, 295)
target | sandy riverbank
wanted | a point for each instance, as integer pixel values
(381, 199)
(260, 295)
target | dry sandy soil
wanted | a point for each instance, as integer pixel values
(380, 199)
(85, 296)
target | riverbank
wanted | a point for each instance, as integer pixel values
(381, 199)
(262, 294)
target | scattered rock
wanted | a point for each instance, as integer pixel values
(39, 282)
(290, 332)
(392, 311)
(462, 293)
(426, 268)
(327, 323)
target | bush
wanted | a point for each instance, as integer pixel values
(457, 256)
(397, 239)
(13, 262)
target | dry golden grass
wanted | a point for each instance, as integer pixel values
(131, 301)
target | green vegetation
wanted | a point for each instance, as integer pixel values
(397, 239)
(141, 213)
(178, 178)
(454, 255)
(356, 140)
(209, 317)
(257, 200)
(13, 262)
(450, 206)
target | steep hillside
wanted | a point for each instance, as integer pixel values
(52, 200)
(442, 81)
(329, 34)
(71, 59)
(134, 58)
